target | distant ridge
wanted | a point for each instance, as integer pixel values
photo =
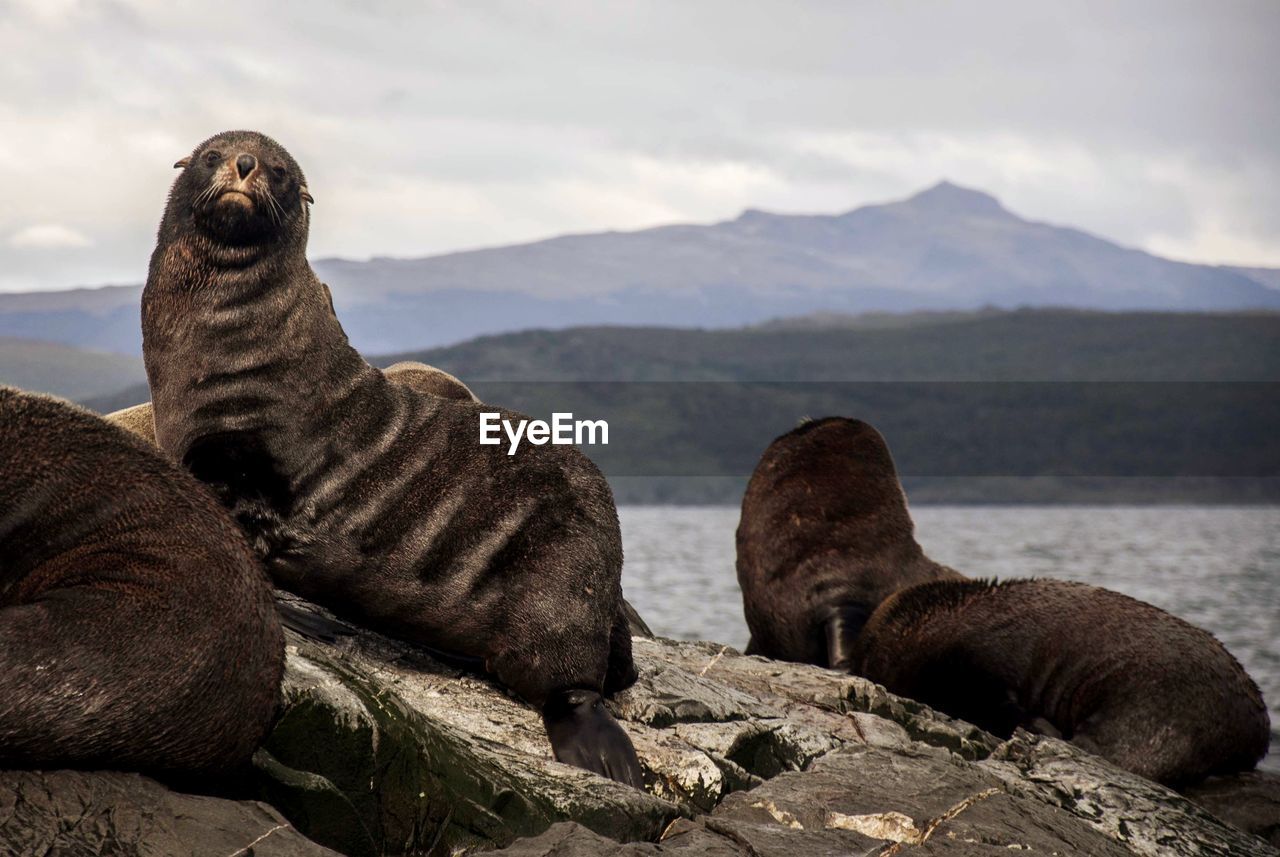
(1187, 411)
(947, 248)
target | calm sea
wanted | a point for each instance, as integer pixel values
(1218, 568)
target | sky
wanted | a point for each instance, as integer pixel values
(436, 126)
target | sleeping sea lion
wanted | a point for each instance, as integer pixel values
(136, 627)
(1119, 677)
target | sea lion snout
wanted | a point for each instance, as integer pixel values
(245, 164)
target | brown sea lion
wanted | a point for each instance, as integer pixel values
(824, 537)
(371, 498)
(417, 376)
(136, 627)
(428, 379)
(1119, 677)
(136, 420)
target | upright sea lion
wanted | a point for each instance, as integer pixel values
(1119, 677)
(136, 627)
(371, 498)
(418, 376)
(824, 537)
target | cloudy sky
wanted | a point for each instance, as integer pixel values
(428, 127)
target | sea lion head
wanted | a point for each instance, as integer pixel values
(845, 462)
(240, 188)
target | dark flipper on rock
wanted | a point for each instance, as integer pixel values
(842, 629)
(583, 733)
(635, 622)
(310, 621)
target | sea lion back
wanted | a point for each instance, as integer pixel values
(1117, 676)
(824, 537)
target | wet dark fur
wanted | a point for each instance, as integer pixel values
(369, 497)
(1117, 676)
(824, 537)
(136, 628)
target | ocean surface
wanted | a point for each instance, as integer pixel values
(1218, 568)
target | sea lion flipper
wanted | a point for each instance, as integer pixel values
(583, 733)
(635, 624)
(842, 628)
(310, 623)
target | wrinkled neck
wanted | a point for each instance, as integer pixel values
(236, 348)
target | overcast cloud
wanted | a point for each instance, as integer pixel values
(429, 127)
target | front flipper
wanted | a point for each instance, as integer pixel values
(842, 629)
(310, 621)
(583, 733)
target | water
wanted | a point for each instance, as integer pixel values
(1218, 568)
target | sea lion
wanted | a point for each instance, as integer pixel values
(824, 537)
(368, 497)
(136, 627)
(136, 420)
(428, 379)
(418, 376)
(1119, 677)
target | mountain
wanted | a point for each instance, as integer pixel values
(946, 248)
(72, 373)
(1269, 277)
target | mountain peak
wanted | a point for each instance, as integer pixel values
(755, 215)
(948, 198)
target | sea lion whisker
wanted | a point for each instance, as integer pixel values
(207, 194)
(275, 208)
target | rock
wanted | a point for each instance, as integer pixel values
(1145, 816)
(1248, 802)
(380, 749)
(865, 800)
(804, 692)
(107, 812)
(568, 839)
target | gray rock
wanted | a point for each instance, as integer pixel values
(766, 757)
(107, 812)
(865, 800)
(382, 750)
(1148, 818)
(1248, 802)
(803, 691)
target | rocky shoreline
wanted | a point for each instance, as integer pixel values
(380, 749)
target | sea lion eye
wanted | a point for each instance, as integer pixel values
(280, 172)
(212, 157)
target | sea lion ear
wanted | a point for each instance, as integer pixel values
(182, 164)
(306, 195)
